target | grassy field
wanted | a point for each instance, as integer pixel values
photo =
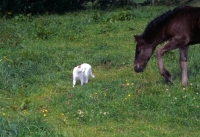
(38, 54)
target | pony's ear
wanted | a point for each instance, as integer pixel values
(139, 39)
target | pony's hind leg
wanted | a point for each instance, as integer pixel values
(184, 64)
(172, 44)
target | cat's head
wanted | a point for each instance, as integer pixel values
(79, 69)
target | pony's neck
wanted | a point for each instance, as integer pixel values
(153, 32)
(154, 39)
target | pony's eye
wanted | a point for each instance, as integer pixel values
(138, 51)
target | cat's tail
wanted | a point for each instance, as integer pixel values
(92, 74)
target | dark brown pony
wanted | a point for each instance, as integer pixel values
(180, 28)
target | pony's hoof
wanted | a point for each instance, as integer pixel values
(170, 80)
(184, 83)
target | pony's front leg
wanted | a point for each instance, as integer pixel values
(184, 64)
(160, 53)
(163, 71)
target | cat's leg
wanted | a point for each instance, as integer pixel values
(82, 81)
(74, 82)
(86, 78)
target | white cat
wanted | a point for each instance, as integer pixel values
(82, 72)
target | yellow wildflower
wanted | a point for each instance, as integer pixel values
(7, 59)
(9, 12)
(44, 110)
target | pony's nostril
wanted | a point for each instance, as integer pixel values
(138, 68)
(135, 67)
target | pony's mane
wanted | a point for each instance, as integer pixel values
(158, 22)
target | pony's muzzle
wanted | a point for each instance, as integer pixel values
(138, 68)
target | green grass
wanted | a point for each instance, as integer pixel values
(38, 54)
